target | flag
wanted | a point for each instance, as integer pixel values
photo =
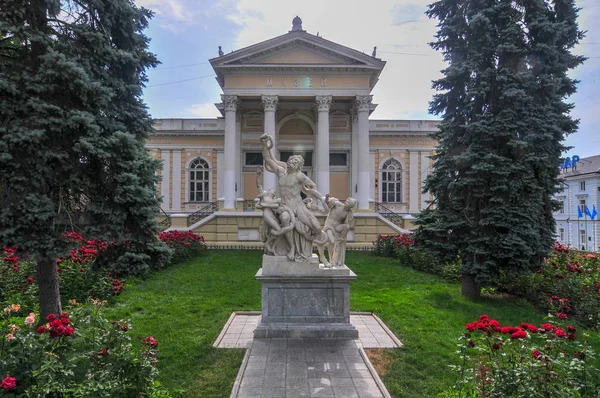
(579, 213)
(588, 212)
(594, 213)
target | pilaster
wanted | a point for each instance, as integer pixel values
(176, 204)
(165, 183)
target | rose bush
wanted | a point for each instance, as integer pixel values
(75, 353)
(402, 247)
(185, 244)
(569, 275)
(525, 360)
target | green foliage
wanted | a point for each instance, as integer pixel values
(567, 274)
(185, 245)
(403, 248)
(78, 354)
(500, 140)
(73, 131)
(524, 361)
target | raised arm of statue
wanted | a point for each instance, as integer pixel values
(271, 164)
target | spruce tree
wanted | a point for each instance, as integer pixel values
(72, 131)
(496, 167)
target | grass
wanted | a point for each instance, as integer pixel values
(186, 306)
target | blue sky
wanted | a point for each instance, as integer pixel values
(186, 33)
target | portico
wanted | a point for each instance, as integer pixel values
(314, 98)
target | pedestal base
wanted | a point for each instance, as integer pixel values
(304, 299)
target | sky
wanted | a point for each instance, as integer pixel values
(186, 33)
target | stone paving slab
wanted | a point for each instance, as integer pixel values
(309, 367)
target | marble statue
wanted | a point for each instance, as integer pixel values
(335, 231)
(296, 24)
(300, 226)
(272, 208)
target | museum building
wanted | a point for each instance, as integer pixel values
(314, 98)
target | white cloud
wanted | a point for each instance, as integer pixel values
(404, 87)
(205, 110)
(172, 11)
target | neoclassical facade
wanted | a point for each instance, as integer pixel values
(314, 98)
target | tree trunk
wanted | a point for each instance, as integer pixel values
(49, 288)
(470, 288)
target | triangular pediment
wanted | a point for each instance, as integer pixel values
(299, 56)
(299, 48)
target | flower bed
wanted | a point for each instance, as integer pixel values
(76, 353)
(570, 278)
(526, 360)
(186, 244)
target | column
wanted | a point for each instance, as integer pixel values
(270, 106)
(322, 144)
(354, 155)
(230, 103)
(165, 183)
(414, 183)
(176, 180)
(363, 104)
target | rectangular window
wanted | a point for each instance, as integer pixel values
(254, 159)
(561, 208)
(338, 159)
(582, 205)
(561, 234)
(582, 186)
(306, 155)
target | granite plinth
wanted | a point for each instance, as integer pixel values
(304, 299)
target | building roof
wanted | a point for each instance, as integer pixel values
(587, 165)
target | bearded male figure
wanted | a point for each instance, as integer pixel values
(291, 182)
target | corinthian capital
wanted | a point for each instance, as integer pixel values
(323, 102)
(363, 102)
(230, 102)
(270, 102)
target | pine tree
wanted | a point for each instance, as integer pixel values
(501, 138)
(73, 128)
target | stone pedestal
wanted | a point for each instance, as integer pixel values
(304, 299)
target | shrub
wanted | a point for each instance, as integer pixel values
(567, 274)
(524, 361)
(76, 354)
(185, 244)
(402, 247)
(79, 277)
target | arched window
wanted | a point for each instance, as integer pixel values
(199, 181)
(391, 181)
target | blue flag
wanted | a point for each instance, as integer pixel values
(579, 213)
(594, 213)
(588, 212)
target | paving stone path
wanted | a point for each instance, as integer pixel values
(279, 367)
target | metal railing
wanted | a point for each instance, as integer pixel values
(166, 223)
(389, 214)
(202, 213)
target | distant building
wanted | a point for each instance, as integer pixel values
(581, 190)
(314, 97)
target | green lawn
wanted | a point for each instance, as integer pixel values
(186, 306)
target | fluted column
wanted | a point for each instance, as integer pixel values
(363, 104)
(230, 103)
(270, 106)
(322, 144)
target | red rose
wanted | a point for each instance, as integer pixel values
(571, 329)
(506, 329)
(496, 346)
(41, 329)
(519, 334)
(30, 280)
(536, 355)
(471, 343)
(560, 333)
(531, 328)
(547, 327)
(103, 352)
(471, 327)
(9, 383)
(51, 317)
(561, 315)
